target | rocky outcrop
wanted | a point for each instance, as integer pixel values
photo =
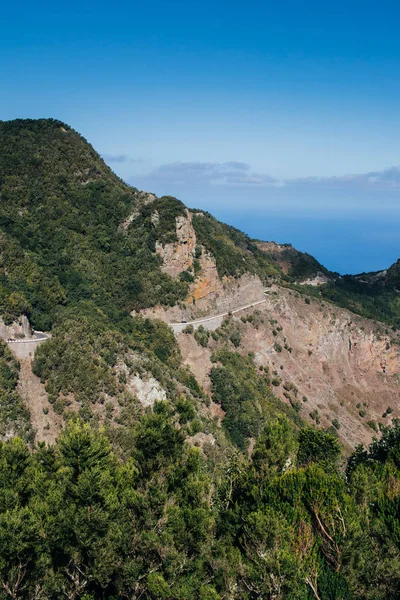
(20, 329)
(207, 293)
(147, 390)
(319, 279)
(179, 256)
(208, 284)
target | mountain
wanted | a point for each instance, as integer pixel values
(188, 426)
(87, 256)
(299, 266)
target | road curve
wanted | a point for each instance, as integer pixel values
(213, 322)
(37, 336)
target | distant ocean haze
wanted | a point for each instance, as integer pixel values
(347, 232)
(347, 245)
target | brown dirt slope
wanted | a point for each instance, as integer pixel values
(346, 367)
(32, 391)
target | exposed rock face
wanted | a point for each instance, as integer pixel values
(179, 256)
(319, 279)
(208, 292)
(345, 366)
(148, 391)
(345, 369)
(232, 294)
(208, 284)
(198, 359)
(273, 247)
(226, 296)
(20, 329)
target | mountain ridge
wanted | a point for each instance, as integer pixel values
(81, 249)
(218, 460)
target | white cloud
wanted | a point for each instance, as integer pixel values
(228, 173)
(386, 179)
(237, 174)
(119, 158)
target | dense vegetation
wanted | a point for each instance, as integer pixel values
(245, 396)
(147, 516)
(88, 358)
(299, 265)
(369, 298)
(61, 239)
(234, 252)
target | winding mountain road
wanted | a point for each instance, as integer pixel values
(38, 336)
(22, 348)
(214, 322)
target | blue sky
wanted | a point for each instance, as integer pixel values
(282, 118)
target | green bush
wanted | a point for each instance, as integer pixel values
(244, 394)
(202, 335)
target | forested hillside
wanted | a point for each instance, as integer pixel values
(376, 296)
(60, 214)
(161, 484)
(140, 514)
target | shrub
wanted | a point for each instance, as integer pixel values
(186, 277)
(373, 425)
(201, 335)
(317, 446)
(235, 338)
(315, 416)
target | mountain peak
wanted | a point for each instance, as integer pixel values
(33, 150)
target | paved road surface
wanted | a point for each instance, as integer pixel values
(23, 348)
(214, 322)
(37, 336)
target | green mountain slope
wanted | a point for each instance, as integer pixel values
(61, 210)
(78, 255)
(61, 240)
(159, 501)
(60, 213)
(372, 295)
